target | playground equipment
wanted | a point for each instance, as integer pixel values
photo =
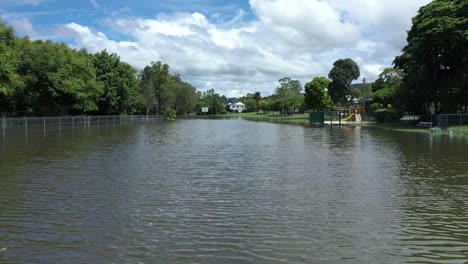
(352, 112)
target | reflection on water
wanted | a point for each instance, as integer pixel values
(233, 191)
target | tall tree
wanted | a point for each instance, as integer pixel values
(289, 94)
(435, 60)
(184, 95)
(344, 71)
(153, 78)
(316, 96)
(11, 84)
(58, 80)
(257, 97)
(120, 87)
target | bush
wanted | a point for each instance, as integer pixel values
(169, 115)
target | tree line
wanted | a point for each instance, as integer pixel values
(43, 78)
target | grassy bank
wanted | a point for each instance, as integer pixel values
(406, 128)
(304, 119)
(297, 118)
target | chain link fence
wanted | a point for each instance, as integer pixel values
(453, 121)
(47, 124)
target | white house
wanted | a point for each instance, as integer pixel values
(237, 107)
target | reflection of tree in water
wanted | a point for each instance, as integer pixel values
(434, 174)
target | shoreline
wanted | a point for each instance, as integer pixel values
(304, 119)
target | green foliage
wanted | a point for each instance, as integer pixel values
(316, 96)
(155, 92)
(11, 84)
(169, 115)
(257, 97)
(385, 88)
(288, 96)
(47, 78)
(435, 60)
(213, 101)
(57, 80)
(185, 95)
(120, 87)
(265, 105)
(344, 71)
(375, 106)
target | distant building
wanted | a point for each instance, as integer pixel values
(236, 108)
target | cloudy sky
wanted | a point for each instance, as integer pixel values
(235, 47)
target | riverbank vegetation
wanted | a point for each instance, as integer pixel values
(43, 78)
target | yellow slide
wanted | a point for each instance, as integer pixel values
(348, 117)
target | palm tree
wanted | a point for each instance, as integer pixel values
(257, 97)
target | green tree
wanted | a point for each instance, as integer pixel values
(58, 80)
(213, 101)
(289, 94)
(344, 71)
(316, 96)
(257, 97)
(120, 85)
(184, 95)
(153, 80)
(435, 60)
(385, 88)
(11, 84)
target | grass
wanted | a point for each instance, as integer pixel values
(304, 119)
(406, 128)
(297, 118)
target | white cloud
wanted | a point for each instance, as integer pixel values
(94, 3)
(296, 38)
(24, 26)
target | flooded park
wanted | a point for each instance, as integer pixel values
(232, 191)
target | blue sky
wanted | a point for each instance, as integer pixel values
(235, 47)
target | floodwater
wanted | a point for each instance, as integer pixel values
(233, 191)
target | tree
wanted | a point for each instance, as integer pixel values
(57, 79)
(120, 87)
(385, 88)
(213, 101)
(153, 78)
(344, 71)
(435, 60)
(288, 94)
(257, 97)
(11, 84)
(316, 98)
(185, 95)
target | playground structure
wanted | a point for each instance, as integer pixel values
(339, 117)
(353, 113)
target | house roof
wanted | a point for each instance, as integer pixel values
(239, 103)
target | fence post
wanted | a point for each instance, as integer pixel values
(44, 125)
(4, 126)
(98, 121)
(60, 125)
(26, 125)
(113, 121)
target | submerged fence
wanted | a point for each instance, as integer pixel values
(45, 124)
